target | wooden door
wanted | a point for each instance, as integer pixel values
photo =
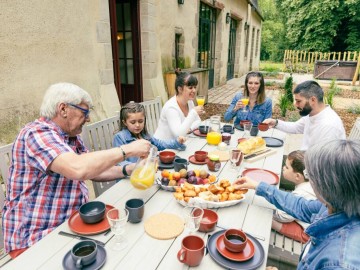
(207, 36)
(125, 35)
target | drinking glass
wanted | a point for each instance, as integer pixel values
(192, 218)
(247, 129)
(200, 99)
(245, 102)
(117, 220)
(235, 155)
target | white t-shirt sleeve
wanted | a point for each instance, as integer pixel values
(292, 127)
(176, 127)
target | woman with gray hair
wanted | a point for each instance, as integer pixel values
(333, 169)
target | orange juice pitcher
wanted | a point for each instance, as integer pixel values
(143, 175)
(214, 134)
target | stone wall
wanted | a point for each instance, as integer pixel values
(45, 42)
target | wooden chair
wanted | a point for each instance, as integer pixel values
(99, 135)
(5, 159)
(153, 110)
(355, 131)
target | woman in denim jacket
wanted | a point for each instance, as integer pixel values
(259, 107)
(133, 127)
(333, 169)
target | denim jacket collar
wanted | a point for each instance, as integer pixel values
(130, 137)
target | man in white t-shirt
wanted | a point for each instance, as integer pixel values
(319, 122)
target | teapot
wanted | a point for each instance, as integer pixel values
(214, 134)
(143, 175)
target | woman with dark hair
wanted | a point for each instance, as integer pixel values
(333, 169)
(259, 107)
(179, 114)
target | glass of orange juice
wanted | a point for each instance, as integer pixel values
(200, 100)
(245, 102)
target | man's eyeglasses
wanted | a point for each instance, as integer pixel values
(85, 111)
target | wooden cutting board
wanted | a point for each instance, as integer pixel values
(260, 154)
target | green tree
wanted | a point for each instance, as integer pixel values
(353, 36)
(273, 41)
(327, 25)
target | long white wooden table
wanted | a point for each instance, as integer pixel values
(253, 215)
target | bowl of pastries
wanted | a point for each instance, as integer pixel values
(221, 194)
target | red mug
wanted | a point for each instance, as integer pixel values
(192, 250)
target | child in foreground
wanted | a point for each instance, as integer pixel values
(293, 171)
(133, 127)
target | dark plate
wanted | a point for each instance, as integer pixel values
(163, 166)
(273, 142)
(232, 132)
(237, 126)
(251, 264)
(69, 264)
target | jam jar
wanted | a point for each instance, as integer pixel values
(214, 163)
(226, 137)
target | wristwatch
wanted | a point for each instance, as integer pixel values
(124, 170)
(276, 123)
(123, 152)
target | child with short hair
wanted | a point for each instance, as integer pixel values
(133, 127)
(293, 171)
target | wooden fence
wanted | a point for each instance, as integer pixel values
(303, 61)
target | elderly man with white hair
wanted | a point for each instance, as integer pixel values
(49, 165)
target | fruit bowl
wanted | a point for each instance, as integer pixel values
(169, 181)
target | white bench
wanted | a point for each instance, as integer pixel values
(5, 158)
(99, 135)
(284, 249)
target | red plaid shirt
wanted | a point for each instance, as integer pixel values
(37, 200)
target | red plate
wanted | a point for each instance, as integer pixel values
(261, 175)
(198, 133)
(242, 256)
(193, 160)
(77, 225)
